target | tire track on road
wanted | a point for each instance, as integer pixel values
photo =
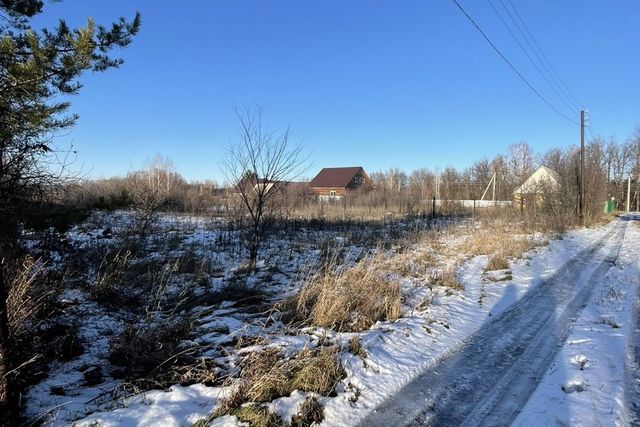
(493, 375)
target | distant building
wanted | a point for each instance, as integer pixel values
(247, 184)
(338, 182)
(541, 181)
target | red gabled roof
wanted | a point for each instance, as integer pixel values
(335, 177)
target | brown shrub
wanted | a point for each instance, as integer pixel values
(310, 412)
(257, 416)
(350, 299)
(142, 348)
(318, 371)
(37, 335)
(489, 241)
(266, 376)
(355, 347)
(26, 299)
(497, 262)
(446, 277)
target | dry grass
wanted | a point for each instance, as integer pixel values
(319, 371)
(139, 284)
(350, 299)
(38, 335)
(446, 277)
(266, 376)
(355, 348)
(411, 264)
(257, 416)
(26, 300)
(111, 272)
(497, 262)
(141, 350)
(491, 241)
(310, 412)
(190, 262)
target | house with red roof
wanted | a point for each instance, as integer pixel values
(338, 182)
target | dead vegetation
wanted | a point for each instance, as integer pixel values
(355, 347)
(145, 285)
(446, 277)
(495, 241)
(347, 299)
(414, 264)
(310, 412)
(497, 262)
(26, 298)
(152, 355)
(256, 416)
(266, 375)
(38, 335)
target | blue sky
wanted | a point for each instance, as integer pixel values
(374, 83)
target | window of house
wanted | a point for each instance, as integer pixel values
(332, 193)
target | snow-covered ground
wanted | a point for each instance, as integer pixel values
(396, 351)
(586, 383)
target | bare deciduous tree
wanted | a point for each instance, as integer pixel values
(150, 190)
(259, 167)
(521, 162)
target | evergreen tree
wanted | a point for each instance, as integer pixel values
(36, 67)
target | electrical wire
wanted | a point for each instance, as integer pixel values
(515, 70)
(553, 83)
(546, 59)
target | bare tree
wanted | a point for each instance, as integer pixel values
(521, 162)
(259, 167)
(150, 190)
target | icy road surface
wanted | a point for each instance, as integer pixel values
(492, 377)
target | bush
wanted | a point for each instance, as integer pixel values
(355, 348)
(446, 277)
(310, 412)
(497, 262)
(351, 299)
(143, 348)
(37, 337)
(257, 416)
(266, 376)
(490, 241)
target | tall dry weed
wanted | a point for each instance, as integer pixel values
(349, 299)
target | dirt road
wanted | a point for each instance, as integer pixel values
(493, 375)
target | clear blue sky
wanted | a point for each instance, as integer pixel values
(373, 83)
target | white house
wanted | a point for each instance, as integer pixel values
(542, 179)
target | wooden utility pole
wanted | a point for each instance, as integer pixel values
(629, 194)
(581, 180)
(494, 187)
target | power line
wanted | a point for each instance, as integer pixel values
(515, 70)
(554, 72)
(524, 50)
(566, 99)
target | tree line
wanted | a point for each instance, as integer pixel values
(609, 162)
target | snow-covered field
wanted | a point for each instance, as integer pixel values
(435, 323)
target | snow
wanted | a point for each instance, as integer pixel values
(591, 359)
(585, 385)
(176, 407)
(398, 352)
